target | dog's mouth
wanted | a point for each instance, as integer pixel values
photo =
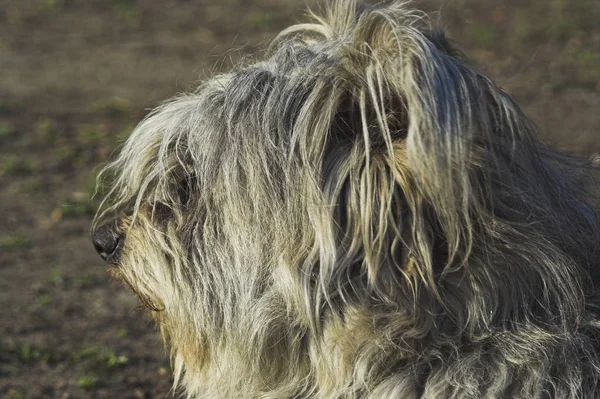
(146, 302)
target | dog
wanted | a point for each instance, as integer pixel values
(361, 214)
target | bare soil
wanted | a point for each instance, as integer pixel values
(76, 76)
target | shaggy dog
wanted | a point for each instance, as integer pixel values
(360, 215)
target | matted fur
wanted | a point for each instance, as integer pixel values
(360, 215)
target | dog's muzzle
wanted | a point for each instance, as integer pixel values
(108, 242)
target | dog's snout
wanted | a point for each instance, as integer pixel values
(107, 242)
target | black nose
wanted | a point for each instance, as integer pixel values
(107, 242)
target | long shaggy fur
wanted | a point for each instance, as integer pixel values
(360, 215)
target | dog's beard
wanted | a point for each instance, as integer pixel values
(145, 299)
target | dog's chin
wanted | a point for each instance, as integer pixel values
(152, 304)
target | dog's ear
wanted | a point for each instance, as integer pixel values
(395, 162)
(389, 239)
(403, 135)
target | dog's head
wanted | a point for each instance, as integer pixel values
(362, 195)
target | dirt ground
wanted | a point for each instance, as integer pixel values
(76, 76)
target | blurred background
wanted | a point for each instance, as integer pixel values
(75, 78)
